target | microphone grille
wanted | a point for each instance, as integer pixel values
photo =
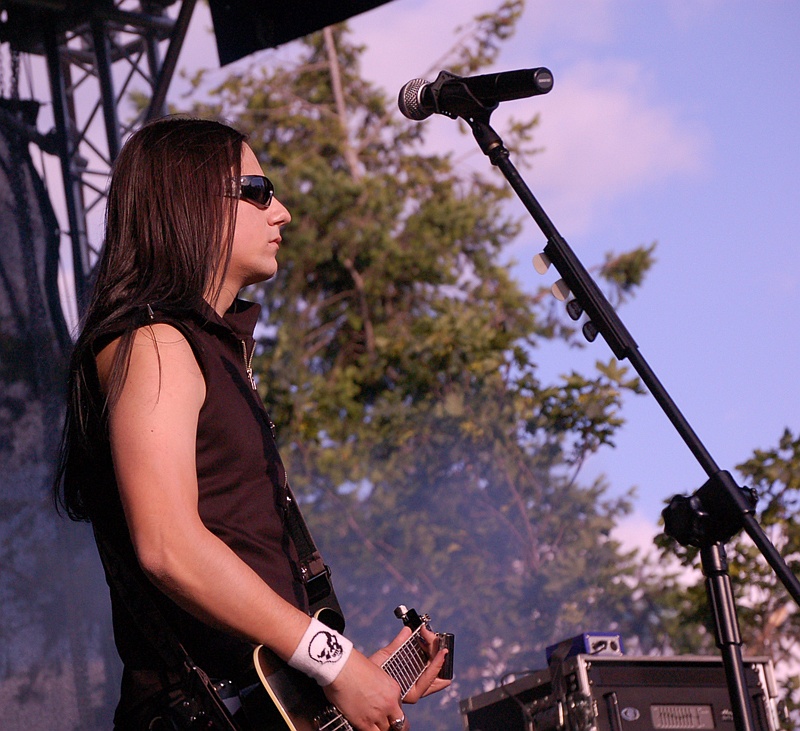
(410, 102)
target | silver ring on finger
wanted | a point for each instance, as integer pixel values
(398, 723)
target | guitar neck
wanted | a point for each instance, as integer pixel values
(408, 662)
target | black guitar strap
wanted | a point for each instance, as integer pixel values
(315, 573)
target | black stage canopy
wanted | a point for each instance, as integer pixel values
(241, 27)
(245, 26)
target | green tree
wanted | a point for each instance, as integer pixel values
(397, 358)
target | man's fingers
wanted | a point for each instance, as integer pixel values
(428, 681)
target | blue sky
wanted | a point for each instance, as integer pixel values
(673, 121)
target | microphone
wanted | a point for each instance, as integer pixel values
(464, 96)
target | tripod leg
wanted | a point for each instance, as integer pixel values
(729, 641)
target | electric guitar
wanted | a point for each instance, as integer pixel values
(295, 702)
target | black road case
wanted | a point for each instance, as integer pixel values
(624, 694)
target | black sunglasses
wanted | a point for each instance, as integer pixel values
(255, 189)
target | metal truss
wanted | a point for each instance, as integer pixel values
(104, 62)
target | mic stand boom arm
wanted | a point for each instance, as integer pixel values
(720, 508)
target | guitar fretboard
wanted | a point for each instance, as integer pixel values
(405, 665)
(407, 662)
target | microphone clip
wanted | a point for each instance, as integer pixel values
(461, 102)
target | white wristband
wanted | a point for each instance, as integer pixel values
(322, 653)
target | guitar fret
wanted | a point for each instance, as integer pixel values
(408, 662)
(405, 678)
(411, 670)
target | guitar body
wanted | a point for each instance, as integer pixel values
(286, 699)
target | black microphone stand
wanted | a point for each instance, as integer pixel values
(720, 508)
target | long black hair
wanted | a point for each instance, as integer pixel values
(169, 234)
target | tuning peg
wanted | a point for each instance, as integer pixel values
(560, 290)
(589, 331)
(574, 309)
(541, 263)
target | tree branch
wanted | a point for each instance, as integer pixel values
(358, 281)
(341, 108)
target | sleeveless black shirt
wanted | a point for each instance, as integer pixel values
(242, 491)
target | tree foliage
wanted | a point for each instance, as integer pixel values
(398, 358)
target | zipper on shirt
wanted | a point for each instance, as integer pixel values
(248, 363)
(248, 367)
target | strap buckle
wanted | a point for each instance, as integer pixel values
(316, 577)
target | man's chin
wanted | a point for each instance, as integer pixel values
(264, 276)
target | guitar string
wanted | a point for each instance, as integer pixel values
(343, 724)
(407, 662)
(338, 718)
(412, 648)
(405, 665)
(404, 670)
(414, 639)
(407, 668)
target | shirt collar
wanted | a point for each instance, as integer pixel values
(240, 319)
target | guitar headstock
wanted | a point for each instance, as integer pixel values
(414, 621)
(410, 618)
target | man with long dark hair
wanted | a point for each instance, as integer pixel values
(168, 450)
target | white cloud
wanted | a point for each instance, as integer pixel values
(590, 22)
(604, 138)
(405, 39)
(605, 133)
(636, 531)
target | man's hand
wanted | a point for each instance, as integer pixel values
(428, 682)
(370, 699)
(366, 695)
